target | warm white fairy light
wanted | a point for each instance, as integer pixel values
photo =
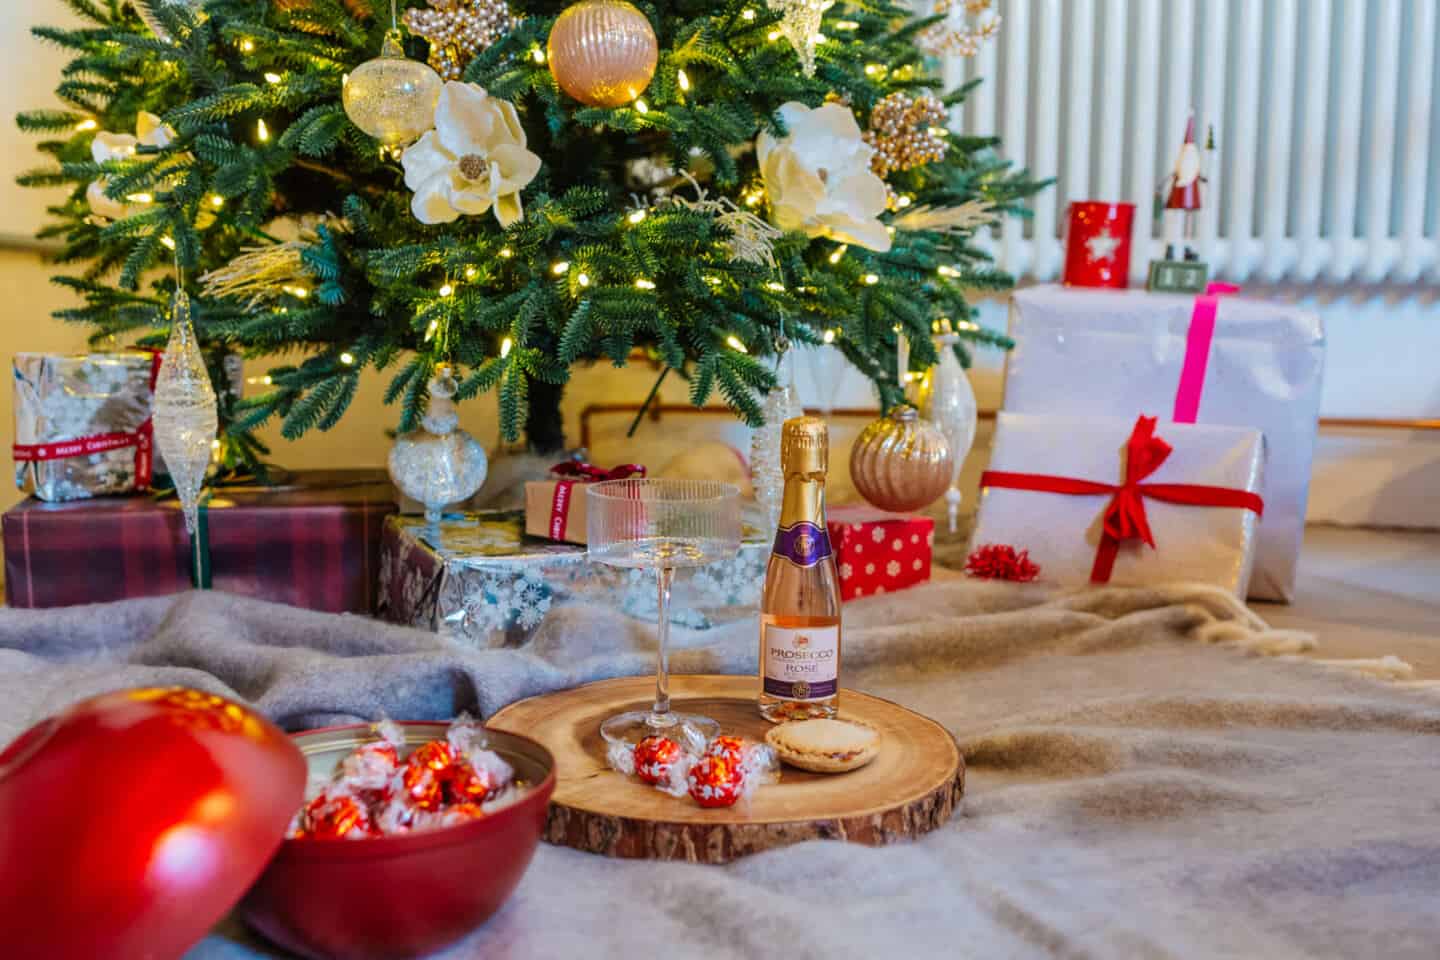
(839, 252)
(430, 330)
(642, 106)
(829, 336)
(773, 35)
(736, 344)
(644, 284)
(636, 216)
(169, 242)
(683, 79)
(537, 55)
(471, 273)
(871, 279)
(140, 198)
(247, 45)
(945, 270)
(347, 358)
(217, 201)
(846, 25)
(583, 279)
(714, 281)
(446, 289)
(272, 78)
(559, 267)
(262, 132)
(505, 347)
(299, 293)
(747, 14)
(903, 201)
(506, 253)
(776, 286)
(85, 125)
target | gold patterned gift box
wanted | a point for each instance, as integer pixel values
(480, 580)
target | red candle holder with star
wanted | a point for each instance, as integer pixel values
(1097, 244)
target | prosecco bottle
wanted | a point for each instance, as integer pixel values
(800, 607)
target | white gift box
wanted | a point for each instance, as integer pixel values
(1120, 353)
(1063, 531)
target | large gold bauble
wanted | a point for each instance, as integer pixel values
(392, 97)
(900, 462)
(602, 52)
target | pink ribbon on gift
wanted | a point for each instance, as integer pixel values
(1197, 351)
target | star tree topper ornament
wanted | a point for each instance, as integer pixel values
(459, 29)
(473, 161)
(800, 25)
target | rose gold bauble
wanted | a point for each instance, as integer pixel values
(900, 462)
(602, 52)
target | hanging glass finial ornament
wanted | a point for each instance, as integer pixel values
(392, 97)
(438, 464)
(767, 474)
(947, 399)
(827, 371)
(185, 415)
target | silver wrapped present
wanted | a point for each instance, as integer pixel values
(1055, 485)
(1121, 353)
(82, 423)
(481, 581)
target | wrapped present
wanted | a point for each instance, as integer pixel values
(82, 423)
(879, 552)
(1099, 500)
(1214, 359)
(480, 580)
(555, 506)
(313, 542)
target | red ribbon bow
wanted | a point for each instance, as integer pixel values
(588, 472)
(1125, 517)
(578, 471)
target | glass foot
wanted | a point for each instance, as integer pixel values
(687, 729)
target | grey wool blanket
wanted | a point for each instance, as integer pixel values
(1151, 775)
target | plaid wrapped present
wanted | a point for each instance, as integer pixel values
(314, 542)
(483, 582)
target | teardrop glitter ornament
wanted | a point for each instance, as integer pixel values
(186, 414)
(438, 464)
(900, 463)
(947, 400)
(602, 52)
(392, 97)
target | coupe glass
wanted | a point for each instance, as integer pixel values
(661, 525)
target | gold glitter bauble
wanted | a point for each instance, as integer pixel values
(392, 97)
(602, 52)
(900, 462)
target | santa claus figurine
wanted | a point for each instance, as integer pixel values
(1182, 197)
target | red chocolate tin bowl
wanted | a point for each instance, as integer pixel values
(384, 898)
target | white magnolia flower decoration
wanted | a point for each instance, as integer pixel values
(819, 179)
(149, 131)
(473, 160)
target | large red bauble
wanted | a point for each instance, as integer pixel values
(133, 821)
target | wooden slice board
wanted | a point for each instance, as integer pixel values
(911, 788)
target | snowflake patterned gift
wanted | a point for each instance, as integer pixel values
(481, 581)
(879, 552)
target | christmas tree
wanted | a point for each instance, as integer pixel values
(785, 176)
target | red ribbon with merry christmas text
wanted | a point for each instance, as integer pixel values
(573, 472)
(1125, 517)
(142, 438)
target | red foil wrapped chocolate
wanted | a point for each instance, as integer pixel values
(654, 756)
(715, 781)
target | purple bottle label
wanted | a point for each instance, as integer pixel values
(803, 544)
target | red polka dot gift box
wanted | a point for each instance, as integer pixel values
(879, 552)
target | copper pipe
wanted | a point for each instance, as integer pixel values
(714, 410)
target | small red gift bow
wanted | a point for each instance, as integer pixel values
(142, 438)
(1125, 517)
(581, 472)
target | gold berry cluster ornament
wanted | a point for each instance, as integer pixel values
(905, 132)
(603, 52)
(459, 29)
(959, 39)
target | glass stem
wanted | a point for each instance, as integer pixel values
(660, 713)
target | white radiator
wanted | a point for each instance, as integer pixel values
(1326, 117)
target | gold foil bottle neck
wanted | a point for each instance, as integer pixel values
(804, 446)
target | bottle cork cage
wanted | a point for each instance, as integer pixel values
(911, 788)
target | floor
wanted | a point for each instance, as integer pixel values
(1368, 593)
